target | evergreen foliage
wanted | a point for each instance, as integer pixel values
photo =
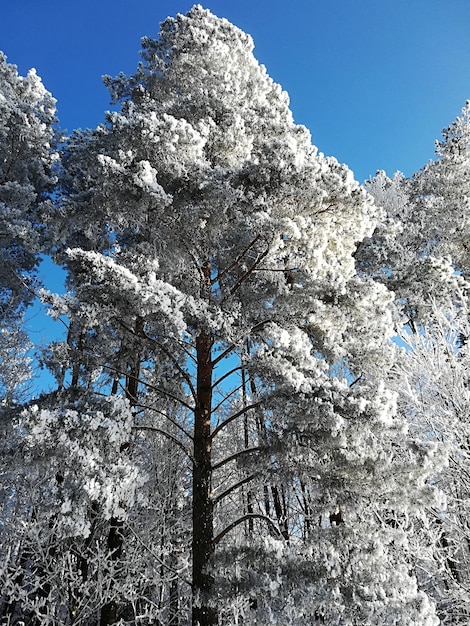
(235, 438)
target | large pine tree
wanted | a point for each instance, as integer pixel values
(213, 285)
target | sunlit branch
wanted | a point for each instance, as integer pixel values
(245, 518)
(226, 397)
(234, 417)
(234, 487)
(226, 375)
(235, 456)
(228, 269)
(172, 438)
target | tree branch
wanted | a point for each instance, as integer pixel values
(172, 438)
(181, 370)
(163, 414)
(225, 398)
(157, 558)
(240, 483)
(152, 387)
(226, 375)
(221, 275)
(173, 359)
(234, 417)
(223, 354)
(242, 519)
(235, 456)
(259, 326)
(247, 274)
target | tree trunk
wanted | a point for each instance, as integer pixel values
(203, 613)
(77, 361)
(109, 611)
(249, 495)
(174, 603)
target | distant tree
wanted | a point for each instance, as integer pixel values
(420, 251)
(405, 252)
(420, 248)
(27, 155)
(442, 189)
(432, 378)
(435, 395)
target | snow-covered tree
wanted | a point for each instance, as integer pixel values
(443, 191)
(27, 140)
(27, 154)
(420, 249)
(210, 250)
(420, 252)
(433, 384)
(15, 365)
(403, 254)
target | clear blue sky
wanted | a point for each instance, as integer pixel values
(375, 81)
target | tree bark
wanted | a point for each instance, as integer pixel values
(203, 612)
(249, 494)
(110, 609)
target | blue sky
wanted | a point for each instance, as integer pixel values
(375, 81)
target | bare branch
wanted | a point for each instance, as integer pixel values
(166, 416)
(259, 326)
(226, 375)
(325, 210)
(172, 438)
(168, 395)
(224, 354)
(358, 380)
(278, 269)
(234, 487)
(234, 417)
(245, 518)
(235, 456)
(184, 348)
